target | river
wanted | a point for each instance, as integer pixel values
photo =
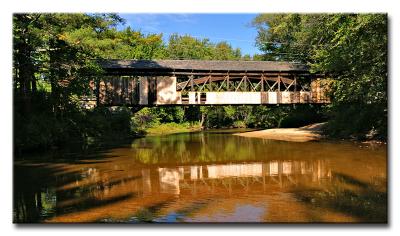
(209, 176)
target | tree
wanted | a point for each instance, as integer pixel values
(123, 44)
(224, 51)
(350, 48)
(43, 54)
(42, 50)
(187, 47)
(25, 42)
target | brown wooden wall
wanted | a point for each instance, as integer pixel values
(125, 90)
(117, 90)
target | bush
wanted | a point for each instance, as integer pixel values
(42, 128)
(239, 124)
(359, 121)
(172, 127)
(302, 115)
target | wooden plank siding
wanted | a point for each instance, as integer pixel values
(201, 82)
(162, 91)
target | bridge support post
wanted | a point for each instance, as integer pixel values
(191, 83)
(144, 90)
(262, 83)
(227, 82)
(279, 82)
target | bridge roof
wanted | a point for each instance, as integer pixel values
(202, 65)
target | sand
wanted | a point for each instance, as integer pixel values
(302, 134)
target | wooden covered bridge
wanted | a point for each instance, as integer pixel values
(201, 82)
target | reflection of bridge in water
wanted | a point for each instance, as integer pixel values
(139, 83)
(243, 176)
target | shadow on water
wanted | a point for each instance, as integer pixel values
(152, 214)
(38, 185)
(205, 176)
(366, 201)
(148, 214)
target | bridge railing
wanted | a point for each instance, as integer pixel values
(165, 90)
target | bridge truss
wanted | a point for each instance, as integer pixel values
(150, 83)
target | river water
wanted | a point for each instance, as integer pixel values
(206, 177)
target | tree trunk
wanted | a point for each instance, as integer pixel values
(203, 117)
(25, 76)
(33, 85)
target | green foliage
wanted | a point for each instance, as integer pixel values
(172, 127)
(169, 114)
(50, 70)
(301, 115)
(53, 54)
(216, 117)
(145, 118)
(367, 121)
(42, 129)
(187, 47)
(224, 51)
(161, 120)
(239, 124)
(261, 116)
(113, 44)
(351, 48)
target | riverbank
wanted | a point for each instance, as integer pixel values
(44, 192)
(307, 133)
(173, 128)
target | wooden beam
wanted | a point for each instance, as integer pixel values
(239, 85)
(258, 84)
(221, 78)
(262, 83)
(204, 84)
(288, 87)
(191, 83)
(186, 83)
(210, 84)
(279, 83)
(245, 82)
(227, 82)
(220, 87)
(251, 85)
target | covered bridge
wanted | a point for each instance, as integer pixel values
(206, 82)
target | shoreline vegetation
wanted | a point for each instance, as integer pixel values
(311, 132)
(53, 56)
(173, 128)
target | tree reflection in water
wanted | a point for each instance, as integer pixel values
(208, 177)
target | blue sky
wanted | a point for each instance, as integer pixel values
(233, 28)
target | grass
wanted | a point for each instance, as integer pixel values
(172, 128)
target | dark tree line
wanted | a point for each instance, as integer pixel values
(53, 54)
(350, 48)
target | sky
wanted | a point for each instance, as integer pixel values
(233, 28)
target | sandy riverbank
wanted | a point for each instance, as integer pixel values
(302, 134)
